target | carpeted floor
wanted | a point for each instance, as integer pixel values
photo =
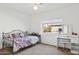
(41, 49)
(6, 51)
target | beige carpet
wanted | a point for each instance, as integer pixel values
(6, 51)
(41, 49)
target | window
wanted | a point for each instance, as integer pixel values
(51, 27)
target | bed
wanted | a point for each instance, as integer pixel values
(17, 39)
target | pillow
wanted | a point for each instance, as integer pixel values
(6, 36)
(21, 35)
(17, 35)
(13, 35)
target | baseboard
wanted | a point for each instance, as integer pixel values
(48, 44)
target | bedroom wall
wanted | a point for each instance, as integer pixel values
(70, 15)
(13, 20)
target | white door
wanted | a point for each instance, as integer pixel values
(49, 38)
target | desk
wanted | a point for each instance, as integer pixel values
(69, 42)
(64, 41)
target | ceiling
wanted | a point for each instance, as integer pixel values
(27, 8)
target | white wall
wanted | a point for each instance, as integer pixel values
(13, 20)
(70, 15)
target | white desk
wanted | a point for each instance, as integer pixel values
(71, 42)
(63, 42)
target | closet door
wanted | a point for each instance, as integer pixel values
(45, 38)
(49, 31)
(53, 39)
(49, 38)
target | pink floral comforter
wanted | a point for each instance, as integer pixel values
(21, 43)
